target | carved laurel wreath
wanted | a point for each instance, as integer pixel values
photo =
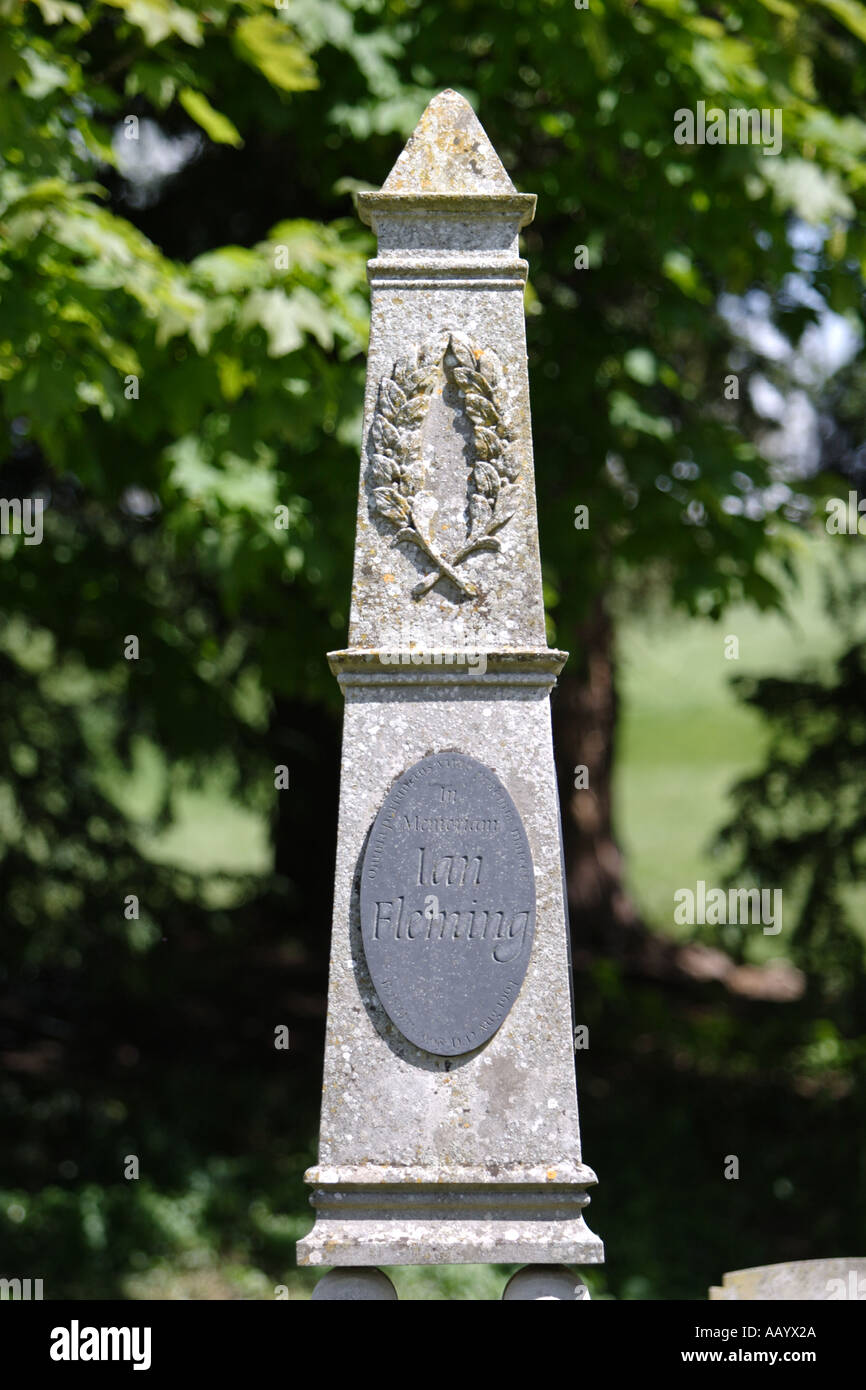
(397, 469)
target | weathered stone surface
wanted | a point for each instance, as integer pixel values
(354, 1286)
(447, 332)
(448, 151)
(425, 1157)
(832, 1280)
(447, 904)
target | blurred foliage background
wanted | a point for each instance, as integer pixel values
(184, 319)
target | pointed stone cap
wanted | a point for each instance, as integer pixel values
(448, 152)
(448, 163)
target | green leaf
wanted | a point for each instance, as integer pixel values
(236, 483)
(848, 12)
(272, 47)
(640, 364)
(215, 125)
(286, 318)
(625, 413)
(159, 19)
(816, 194)
(230, 269)
(232, 377)
(55, 11)
(45, 77)
(680, 269)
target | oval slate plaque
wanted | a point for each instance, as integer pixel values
(448, 903)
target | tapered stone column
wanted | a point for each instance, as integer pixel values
(449, 1128)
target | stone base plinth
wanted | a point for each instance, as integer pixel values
(447, 1223)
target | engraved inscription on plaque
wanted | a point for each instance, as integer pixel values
(448, 903)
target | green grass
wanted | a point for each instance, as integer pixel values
(210, 832)
(685, 738)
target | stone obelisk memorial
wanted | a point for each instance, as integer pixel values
(449, 1129)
